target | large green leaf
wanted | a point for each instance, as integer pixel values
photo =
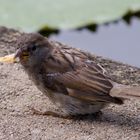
(32, 15)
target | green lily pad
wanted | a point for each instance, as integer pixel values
(33, 15)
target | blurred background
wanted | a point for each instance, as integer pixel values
(119, 41)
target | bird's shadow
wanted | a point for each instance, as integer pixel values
(113, 118)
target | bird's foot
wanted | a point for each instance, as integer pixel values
(88, 116)
(50, 113)
(60, 115)
(98, 114)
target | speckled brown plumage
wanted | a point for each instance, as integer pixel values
(67, 76)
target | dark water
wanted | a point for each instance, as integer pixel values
(117, 41)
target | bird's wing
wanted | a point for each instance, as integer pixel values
(87, 83)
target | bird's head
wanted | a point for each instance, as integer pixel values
(33, 48)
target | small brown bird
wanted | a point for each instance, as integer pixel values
(67, 76)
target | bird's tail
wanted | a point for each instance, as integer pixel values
(124, 91)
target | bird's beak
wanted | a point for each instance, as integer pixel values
(22, 55)
(15, 57)
(18, 53)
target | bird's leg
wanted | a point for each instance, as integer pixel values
(99, 113)
(60, 115)
(51, 113)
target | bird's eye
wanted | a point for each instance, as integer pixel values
(34, 47)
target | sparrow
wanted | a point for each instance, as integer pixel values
(68, 77)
